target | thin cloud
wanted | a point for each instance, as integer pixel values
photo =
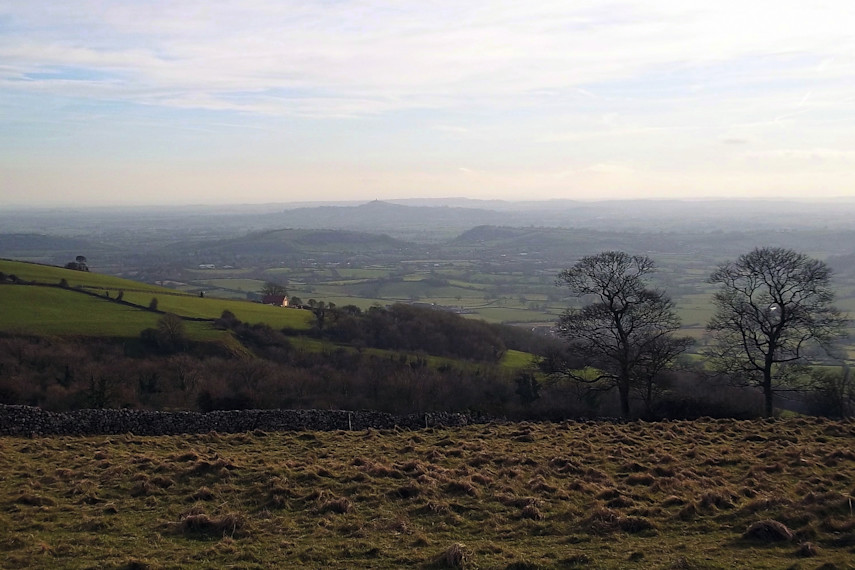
(542, 98)
(813, 154)
(416, 55)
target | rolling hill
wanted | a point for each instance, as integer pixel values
(294, 243)
(87, 305)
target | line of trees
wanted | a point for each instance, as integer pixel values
(411, 328)
(265, 372)
(773, 318)
(79, 264)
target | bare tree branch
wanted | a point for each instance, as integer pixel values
(772, 306)
(627, 331)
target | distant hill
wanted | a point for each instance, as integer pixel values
(438, 219)
(426, 222)
(49, 248)
(289, 243)
(566, 243)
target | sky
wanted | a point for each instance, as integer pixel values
(262, 101)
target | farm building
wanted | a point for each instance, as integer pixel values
(277, 300)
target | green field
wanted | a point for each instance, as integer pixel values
(516, 359)
(365, 273)
(52, 275)
(511, 315)
(53, 310)
(46, 310)
(210, 308)
(249, 285)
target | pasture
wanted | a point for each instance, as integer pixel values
(703, 494)
(92, 281)
(37, 309)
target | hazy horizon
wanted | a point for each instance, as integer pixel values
(107, 103)
(486, 204)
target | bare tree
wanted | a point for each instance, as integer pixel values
(627, 331)
(834, 392)
(660, 354)
(271, 288)
(171, 333)
(773, 309)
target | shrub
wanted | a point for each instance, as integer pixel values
(227, 321)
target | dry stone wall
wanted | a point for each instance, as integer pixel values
(29, 421)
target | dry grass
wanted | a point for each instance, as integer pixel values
(229, 524)
(708, 494)
(768, 531)
(455, 556)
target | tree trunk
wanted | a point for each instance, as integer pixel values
(767, 392)
(623, 389)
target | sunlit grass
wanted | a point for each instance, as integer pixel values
(209, 308)
(63, 312)
(637, 495)
(54, 311)
(67, 311)
(52, 275)
(517, 359)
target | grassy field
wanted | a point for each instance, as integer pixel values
(52, 275)
(47, 310)
(516, 359)
(497, 298)
(253, 285)
(575, 495)
(63, 312)
(246, 311)
(51, 310)
(55, 311)
(43, 310)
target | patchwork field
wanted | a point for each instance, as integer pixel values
(705, 494)
(69, 311)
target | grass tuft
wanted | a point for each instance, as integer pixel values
(33, 500)
(462, 487)
(407, 491)
(455, 556)
(135, 565)
(203, 494)
(807, 550)
(229, 524)
(768, 531)
(338, 506)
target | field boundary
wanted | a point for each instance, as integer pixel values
(29, 421)
(86, 291)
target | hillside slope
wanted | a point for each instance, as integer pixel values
(88, 305)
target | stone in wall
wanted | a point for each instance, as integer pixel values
(29, 421)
